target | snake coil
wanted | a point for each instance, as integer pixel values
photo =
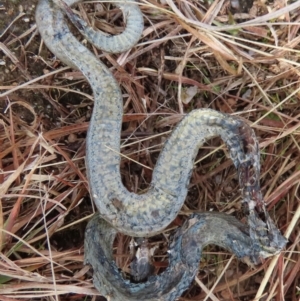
(149, 213)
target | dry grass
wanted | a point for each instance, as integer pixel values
(250, 68)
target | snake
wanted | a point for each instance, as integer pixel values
(148, 214)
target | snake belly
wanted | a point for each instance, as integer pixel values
(149, 213)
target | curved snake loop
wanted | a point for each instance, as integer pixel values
(149, 213)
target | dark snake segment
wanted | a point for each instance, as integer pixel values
(149, 213)
(184, 256)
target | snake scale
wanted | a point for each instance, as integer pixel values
(149, 213)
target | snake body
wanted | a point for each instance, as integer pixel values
(149, 213)
(184, 256)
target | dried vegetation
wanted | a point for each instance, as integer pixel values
(192, 55)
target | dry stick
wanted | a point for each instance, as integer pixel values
(271, 294)
(13, 141)
(182, 66)
(71, 163)
(32, 87)
(287, 132)
(11, 23)
(275, 258)
(219, 278)
(175, 77)
(16, 209)
(223, 286)
(282, 189)
(153, 148)
(28, 107)
(21, 36)
(259, 87)
(206, 290)
(56, 205)
(296, 268)
(75, 222)
(31, 81)
(273, 55)
(293, 223)
(35, 251)
(44, 289)
(181, 16)
(278, 105)
(24, 72)
(147, 138)
(267, 98)
(153, 44)
(258, 21)
(130, 159)
(50, 252)
(276, 177)
(266, 278)
(1, 222)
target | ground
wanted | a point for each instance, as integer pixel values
(182, 62)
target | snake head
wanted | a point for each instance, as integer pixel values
(266, 238)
